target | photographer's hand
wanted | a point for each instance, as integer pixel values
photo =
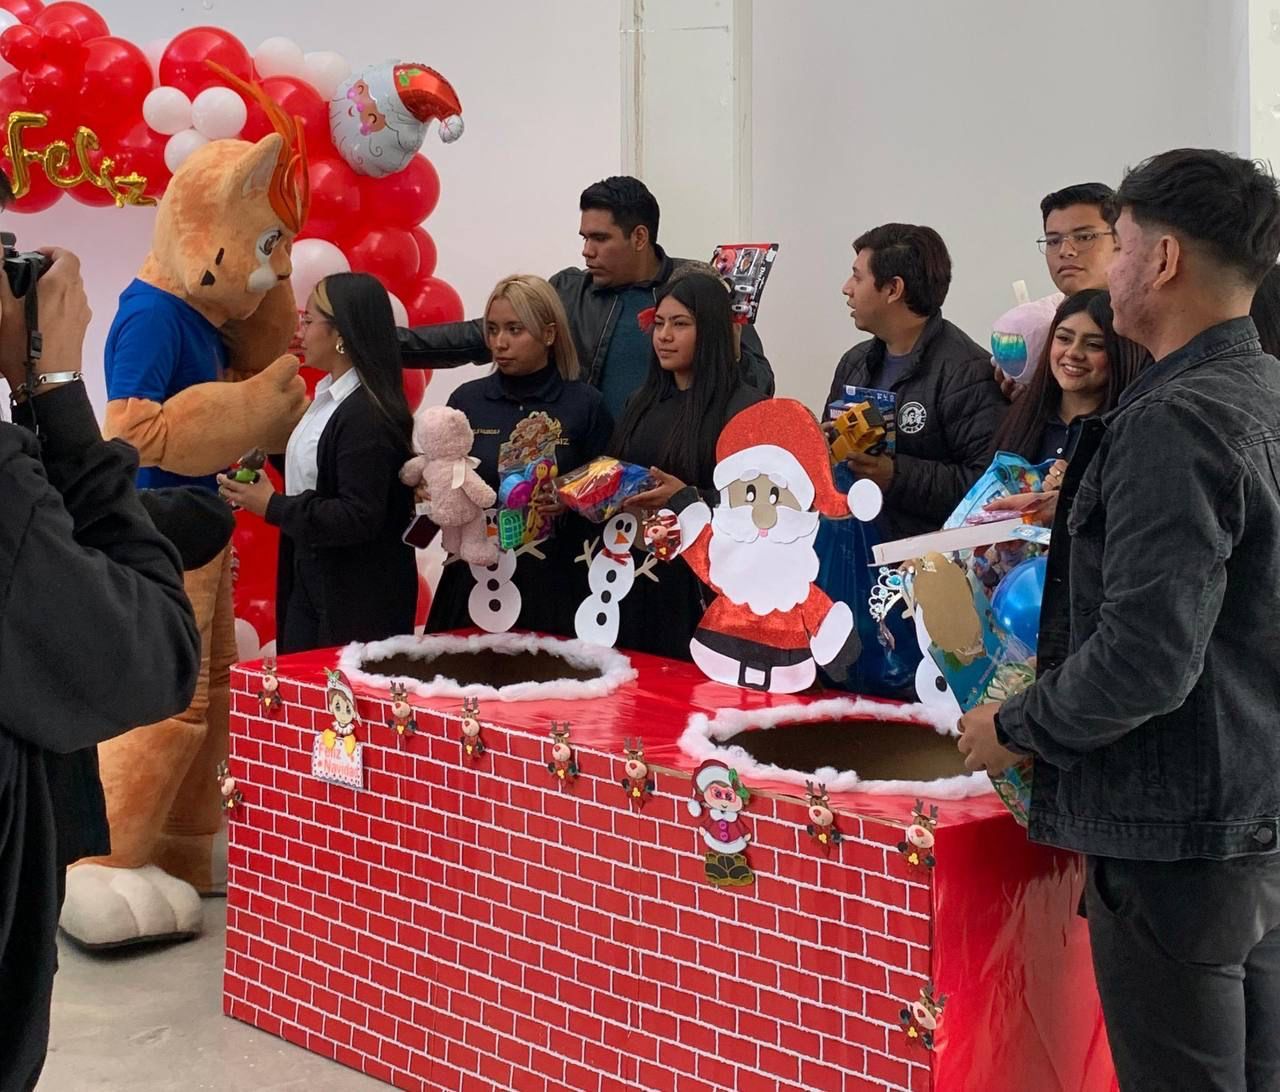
(63, 315)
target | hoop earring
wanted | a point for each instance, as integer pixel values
(341, 349)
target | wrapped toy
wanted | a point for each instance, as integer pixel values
(598, 490)
(458, 495)
(526, 469)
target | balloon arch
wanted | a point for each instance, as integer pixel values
(103, 121)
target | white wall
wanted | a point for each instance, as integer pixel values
(962, 116)
(539, 86)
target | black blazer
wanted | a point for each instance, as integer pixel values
(351, 523)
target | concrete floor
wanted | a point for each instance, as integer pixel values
(152, 1020)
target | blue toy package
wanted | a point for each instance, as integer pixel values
(884, 401)
(597, 491)
(1007, 475)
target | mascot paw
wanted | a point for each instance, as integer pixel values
(115, 907)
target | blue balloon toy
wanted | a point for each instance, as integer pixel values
(1016, 603)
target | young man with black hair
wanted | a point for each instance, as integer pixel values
(624, 268)
(1153, 721)
(96, 636)
(948, 404)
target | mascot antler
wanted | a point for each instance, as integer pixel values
(290, 190)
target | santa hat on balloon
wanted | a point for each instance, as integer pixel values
(781, 439)
(712, 772)
(424, 95)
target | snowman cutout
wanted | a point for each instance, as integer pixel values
(494, 603)
(611, 574)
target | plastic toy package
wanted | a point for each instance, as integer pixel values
(745, 267)
(866, 420)
(526, 470)
(1008, 474)
(597, 491)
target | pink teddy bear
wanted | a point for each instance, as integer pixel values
(458, 495)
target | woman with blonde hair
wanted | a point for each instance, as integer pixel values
(535, 371)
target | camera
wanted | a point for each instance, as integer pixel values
(23, 270)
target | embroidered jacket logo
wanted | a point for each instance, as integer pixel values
(911, 418)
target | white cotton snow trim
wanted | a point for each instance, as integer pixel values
(702, 738)
(615, 669)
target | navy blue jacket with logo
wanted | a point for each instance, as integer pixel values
(949, 407)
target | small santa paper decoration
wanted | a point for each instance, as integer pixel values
(770, 627)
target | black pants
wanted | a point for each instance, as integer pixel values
(1187, 957)
(306, 622)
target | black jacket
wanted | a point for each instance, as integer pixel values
(1154, 719)
(96, 636)
(351, 524)
(949, 406)
(592, 314)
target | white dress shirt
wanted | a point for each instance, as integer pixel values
(300, 454)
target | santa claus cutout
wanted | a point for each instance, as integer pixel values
(770, 628)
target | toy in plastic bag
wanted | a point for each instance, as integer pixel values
(979, 661)
(886, 666)
(526, 469)
(1008, 474)
(597, 491)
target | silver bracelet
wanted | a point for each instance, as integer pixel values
(47, 377)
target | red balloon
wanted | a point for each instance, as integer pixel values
(81, 18)
(51, 87)
(426, 251)
(390, 254)
(21, 46)
(183, 64)
(298, 99)
(415, 385)
(335, 198)
(139, 150)
(117, 77)
(254, 592)
(434, 301)
(43, 194)
(406, 198)
(424, 603)
(26, 10)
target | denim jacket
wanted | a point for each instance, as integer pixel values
(1156, 718)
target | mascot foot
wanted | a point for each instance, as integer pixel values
(197, 859)
(115, 907)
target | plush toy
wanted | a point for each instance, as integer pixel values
(212, 303)
(1018, 336)
(459, 496)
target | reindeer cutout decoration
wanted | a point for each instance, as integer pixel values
(402, 719)
(917, 843)
(822, 820)
(269, 695)
(637, 782)
(920, 1019)
(563, 766)
(472, 742)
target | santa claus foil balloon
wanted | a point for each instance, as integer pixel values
(378, 119)
(770, 627)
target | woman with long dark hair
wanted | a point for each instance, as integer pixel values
(671, 425)
(1084, 367)
(343, 574)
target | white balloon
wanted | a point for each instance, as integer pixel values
(180, 146)
(218, 113)
(399, 310)
(167, 110)
(313, 260)
(154, 50)
(248, 644)
(279, 57)
(325, 71)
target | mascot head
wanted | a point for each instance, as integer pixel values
(226, 224)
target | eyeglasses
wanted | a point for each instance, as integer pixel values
(309, 319)
(1081, 241)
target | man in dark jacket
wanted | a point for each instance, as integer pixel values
(624, 269)
(948, 403)
(96, 636)
(1153, 721)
